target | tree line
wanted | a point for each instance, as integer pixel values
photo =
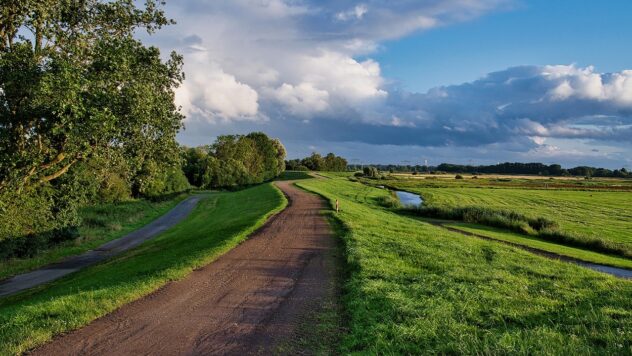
(534, 169)
(316, 162)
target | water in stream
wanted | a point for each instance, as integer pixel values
(407, 198)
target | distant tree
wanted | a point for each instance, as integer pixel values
(234, 160)
(315, 162)
(371, 172)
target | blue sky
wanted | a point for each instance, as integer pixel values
(386, 81)
(537, 32)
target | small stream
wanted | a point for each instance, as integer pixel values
(408, 199)
(615, 271)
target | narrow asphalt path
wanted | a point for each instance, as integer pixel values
(72, 264)
(251, 300)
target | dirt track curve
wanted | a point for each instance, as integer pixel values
(249, 300)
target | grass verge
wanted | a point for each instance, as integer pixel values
(219, 222)
(511, 220)
(414, 288)
(100, 224)
(540, 244)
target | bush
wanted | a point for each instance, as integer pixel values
(37, 218)
(486, 216)
(114, 188)
(371, 172)
(458, 176)
(390, 201)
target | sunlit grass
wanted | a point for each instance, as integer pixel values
(217, 224)
(416, 288)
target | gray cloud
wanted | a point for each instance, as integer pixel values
(290, 68)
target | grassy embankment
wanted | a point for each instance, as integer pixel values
(417, 288)
(219, 223)
(100, 224)
(593, 220)
(541, 244)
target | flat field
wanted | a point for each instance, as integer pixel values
(603, 214)
(416, 288)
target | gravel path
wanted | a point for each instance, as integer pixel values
(250, 300)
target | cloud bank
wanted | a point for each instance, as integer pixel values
(302, 70)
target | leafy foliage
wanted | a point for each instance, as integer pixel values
(371, 172)
(316, 162)
(234, 160)
(87, 112)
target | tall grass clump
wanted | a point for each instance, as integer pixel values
(486, 216)
(390, 201)
(589, 243)
(511, 220)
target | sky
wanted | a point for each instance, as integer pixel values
(409, 81)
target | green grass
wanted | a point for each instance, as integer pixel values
(605, 215)
(100, 224)
(540, 244)
(293, 175)
(219, 222)
(416, 288)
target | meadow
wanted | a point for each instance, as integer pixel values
(218, 223)
(417, 288)
(602, 215)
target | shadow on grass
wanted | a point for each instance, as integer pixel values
(294, 175)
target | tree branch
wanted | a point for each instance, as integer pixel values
(57, 174)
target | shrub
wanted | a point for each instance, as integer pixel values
(458, 176)
(390, 201)
(114, 188)
(371, 172)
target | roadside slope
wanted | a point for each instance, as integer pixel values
(110, 249)
(251, 299)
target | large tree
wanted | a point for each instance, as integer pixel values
(75, 83)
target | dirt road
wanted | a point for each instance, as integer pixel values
(250, 300)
